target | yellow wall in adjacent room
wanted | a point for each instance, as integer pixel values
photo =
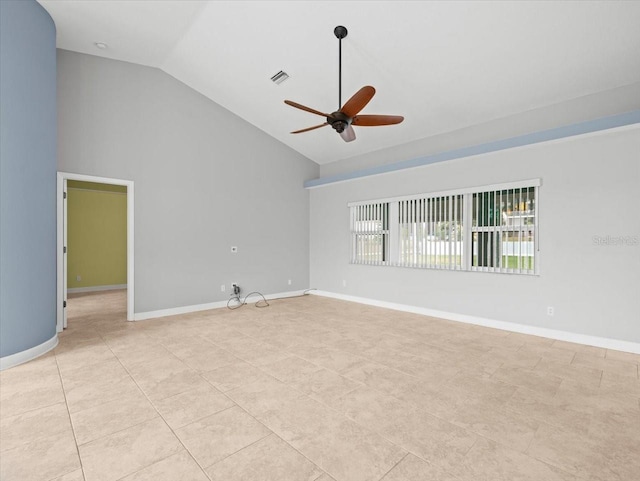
(96, 235)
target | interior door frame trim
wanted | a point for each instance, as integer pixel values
(61, 282)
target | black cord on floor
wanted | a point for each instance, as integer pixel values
(263, 300)
(244, 302)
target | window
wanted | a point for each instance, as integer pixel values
(503, 230)
(430, 231)
(487, 229)
(370, 233)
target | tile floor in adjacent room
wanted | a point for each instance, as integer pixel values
(314, 389)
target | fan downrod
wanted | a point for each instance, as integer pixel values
(340, 32)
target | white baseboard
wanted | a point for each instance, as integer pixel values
(114, 287)
(603, 342)
(28, 354)
(174, 311)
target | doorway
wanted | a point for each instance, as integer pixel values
(62, 241)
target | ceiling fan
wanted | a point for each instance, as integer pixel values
(347, 116)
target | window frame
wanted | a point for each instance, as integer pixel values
(394, 223)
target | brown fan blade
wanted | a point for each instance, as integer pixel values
(310, 128)
(348, 134)
(307, 109)
(356, 103)
(373, 120)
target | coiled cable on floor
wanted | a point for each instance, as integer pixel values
(263, 300)
(244, 302)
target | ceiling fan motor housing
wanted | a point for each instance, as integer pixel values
(339, 121)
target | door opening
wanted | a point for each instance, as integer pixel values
(62, 242)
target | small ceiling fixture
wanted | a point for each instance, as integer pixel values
(101, 45)
(280, 77)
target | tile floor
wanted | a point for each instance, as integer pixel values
(314, 389)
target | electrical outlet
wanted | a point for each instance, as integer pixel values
(223, 288)
(289, 282)
(234, 249)
(550, 311)
(344, 283)
(78, 278)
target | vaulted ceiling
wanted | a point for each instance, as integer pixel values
(442, 65)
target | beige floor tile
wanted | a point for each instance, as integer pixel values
(573, 372)
(182, 345)
(332, 359)
(72, 476)
(23, 392)
(82, 355)
(269, 459)
(488, 461)
(431, 438)
(348, 451)
(549, 353)
(407, 378)
(592, 400)
(252, 351)
(215, 437)
(98, 391)
(44, 458)
(166, 378)
(555, 410)
(610, 366)
(125, 452)
(210, 360)
(189, 406)
(291, 369)
(506, 427)
(40, 366)
(33, 425)
(138, 354)
(324, 477)
(177, 467)
(616, 421)
(383, 378)
(412, 468)
(372, 409)
(512, 358)
(338, 445)
(234, 375)
(432, 371)
(536, 380)
(108, 370)
(111, 417)
(477, 389)
(442, 402)
(265, 396)
(591, 350)
(579, 455)
(324, 385)
(623, 356)
(615, 384)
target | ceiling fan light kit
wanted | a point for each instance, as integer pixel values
(343, 120)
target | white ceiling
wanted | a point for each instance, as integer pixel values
(443, 65)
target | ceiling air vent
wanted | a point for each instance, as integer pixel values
(280, 77)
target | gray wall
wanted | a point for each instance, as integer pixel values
(205, 180)
(27, 176)
(590, 188)
(590, 107)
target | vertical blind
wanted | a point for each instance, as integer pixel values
(430, 232)
(370, 233)
(486, 229)
(504, 230)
